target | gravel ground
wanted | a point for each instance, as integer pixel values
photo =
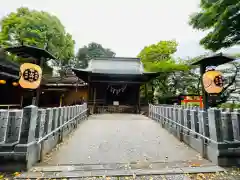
(231, 174)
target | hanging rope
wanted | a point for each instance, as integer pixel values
(115, 90)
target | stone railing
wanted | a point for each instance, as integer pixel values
(215, 133)
(27, 135)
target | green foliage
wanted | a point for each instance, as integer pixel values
(37, 28)
(230, 105)
(222, 18)
(92, 50)
(158, 57)
(176, 76)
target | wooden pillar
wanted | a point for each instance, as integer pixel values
(94, 99)
(204, 93)
(89, 95)
(139, 100)
(61, 100)
(37, 92)
(146, 92)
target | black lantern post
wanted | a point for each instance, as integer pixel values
(214, 60)
(40, 56)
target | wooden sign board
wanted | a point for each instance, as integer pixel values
(116, 103)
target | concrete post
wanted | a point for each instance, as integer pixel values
(3, 125)
(55, 118)
(48, 122)
(236, 125)
(204, 130)
(227, 128)
(60, 117)
(215, 124)
(69, 113)
(29, 124)
(13, 128)
(175, 119)
(181, 121)
(187, 121)
(65, 114)
(39, 132)
(203, 123)
(27, 150)
(194, 121)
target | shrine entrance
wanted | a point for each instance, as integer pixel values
(121, 94)
(113, 97)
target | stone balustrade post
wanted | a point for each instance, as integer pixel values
(227, 127)
(149, 111)
(60, 117)
(162, 114)
(55, 115)
(194, 121)
(159, 114)
(181, 121)
(236, 125)
(13, 128)
(187, 121)
(215, 124)
(203, 130)
(3, 125)
(154, 113)
(39, 132)
(69, 113)
(28, 151)
(65, 114)
(175, 120)
(203, 123)
(48, 121)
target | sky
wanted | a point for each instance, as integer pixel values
(125, 26)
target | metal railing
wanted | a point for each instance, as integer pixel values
(63, 125)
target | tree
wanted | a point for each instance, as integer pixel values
(231, 84)
(158, 58)
(37, 28)
(221, 17)
(92, 50)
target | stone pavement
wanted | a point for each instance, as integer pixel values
(123, 144)
(121, 138)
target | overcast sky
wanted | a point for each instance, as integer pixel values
(125, 26)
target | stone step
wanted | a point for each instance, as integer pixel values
(111, 170)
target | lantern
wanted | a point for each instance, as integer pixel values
(15, 84)
(30, 76)
(2, 82)
(213, 82)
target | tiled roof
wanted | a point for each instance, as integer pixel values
(116, 65)
(9, 64)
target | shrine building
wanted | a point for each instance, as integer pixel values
(114, 83)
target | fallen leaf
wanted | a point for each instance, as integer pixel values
(195, 165)
(16, 174)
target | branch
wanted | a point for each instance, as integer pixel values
(233, 79)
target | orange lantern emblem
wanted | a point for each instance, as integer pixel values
(213, 82)
(30, 76)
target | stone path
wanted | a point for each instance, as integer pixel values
(121, 144)
(121, 138)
